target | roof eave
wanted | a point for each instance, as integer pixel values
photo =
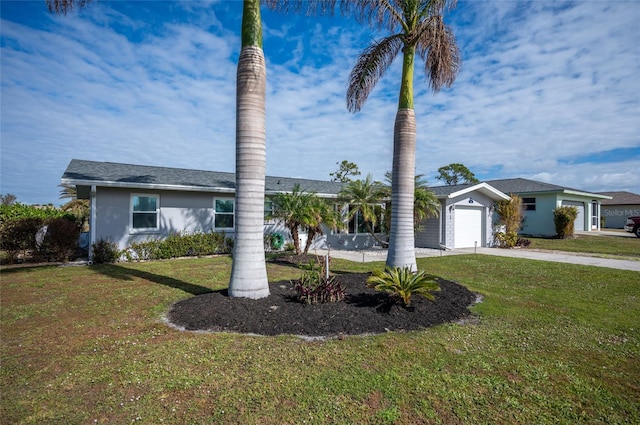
(152, 186)
(485, 188)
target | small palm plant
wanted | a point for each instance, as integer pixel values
(403, 283)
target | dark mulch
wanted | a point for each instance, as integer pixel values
(364, 311)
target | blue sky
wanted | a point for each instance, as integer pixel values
(548, 91)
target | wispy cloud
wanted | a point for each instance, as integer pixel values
(546, 90)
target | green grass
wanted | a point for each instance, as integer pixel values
(553, 343)
(608, 246)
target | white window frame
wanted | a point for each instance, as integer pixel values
(268, 212)
(233, 214)
(155, 229)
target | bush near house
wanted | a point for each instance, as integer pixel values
(19, 225)
(180, 245)
(510, 216)
(564, 219)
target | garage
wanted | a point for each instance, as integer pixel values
(468, 227)
(578, 225)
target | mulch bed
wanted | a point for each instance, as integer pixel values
(364, 311)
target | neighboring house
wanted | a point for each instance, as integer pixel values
(616, 210)
(540, 199)
(465, 219)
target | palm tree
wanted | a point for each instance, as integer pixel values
(293, 208)
(364, 198)
(249, 271)
(319, 213)
(78, 207)
(416, 26)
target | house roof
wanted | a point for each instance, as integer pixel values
(621, 198)
(525, 186)
(110, 174)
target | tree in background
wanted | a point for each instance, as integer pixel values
(453, 174)
(416, 27)
(8, 199)
(78, 207)
(345, 170)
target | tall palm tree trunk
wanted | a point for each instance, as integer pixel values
(402, 251)
(248, 272)
(401, 236)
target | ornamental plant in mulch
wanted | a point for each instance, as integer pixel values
(403, 283)
(316, 286)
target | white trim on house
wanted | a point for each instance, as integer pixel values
(480, 187)
(144, 230)
(232, 214)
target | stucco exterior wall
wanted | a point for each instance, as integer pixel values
(179, 212)
(540, 221)
(191, 212)
(615, 216)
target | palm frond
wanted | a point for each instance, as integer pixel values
(62, 7)
(436, 44)
(370, 67)
(376, 13)
(309, 7)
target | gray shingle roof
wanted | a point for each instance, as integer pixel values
(621, 198)
(81, 172)
(519, 185)
(507, 186)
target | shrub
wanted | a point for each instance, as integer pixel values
(105, 252)
(510, 216)
(564, 218)
(507, 239)
(19, 211)
(403, 283)
(61, 239)
(315, 286)
(180, 245)
(18, 236)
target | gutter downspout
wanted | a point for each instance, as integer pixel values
(92, 222)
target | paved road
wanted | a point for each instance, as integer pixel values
(562, 257)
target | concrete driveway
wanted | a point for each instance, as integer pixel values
(555, 256)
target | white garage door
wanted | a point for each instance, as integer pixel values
(468, 227)
(578, 225)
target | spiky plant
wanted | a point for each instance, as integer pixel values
(402, 282)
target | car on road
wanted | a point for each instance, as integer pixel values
(633, 225)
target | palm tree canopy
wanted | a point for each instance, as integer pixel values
(415, 26)
(363, 195)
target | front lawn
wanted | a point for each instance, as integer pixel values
(552, 343)
(606, 246)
